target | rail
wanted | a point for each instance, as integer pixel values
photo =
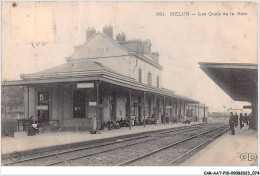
(148, 135)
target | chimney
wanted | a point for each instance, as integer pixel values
(123, 36)
(108, 30)
(90, 32)
(146, 47)
(120, 37)
(155, 56)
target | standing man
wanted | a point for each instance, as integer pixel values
(245, 122)
(94, 123)
(241, 120)
(236, 119)
(232, 123)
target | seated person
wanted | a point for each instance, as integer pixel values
(121, 122)
(110, 124)
(33, 127)
(149, 120)
(117, 125)
(166, 118)
(125, 123)
(152, 120)
(141, 122)
(136, 122)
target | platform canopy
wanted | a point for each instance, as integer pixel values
(238, 80)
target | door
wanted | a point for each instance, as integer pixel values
(43, 107)
(113, 107)
(79, 101)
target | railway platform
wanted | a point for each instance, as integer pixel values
(57, 140)
(229, 150)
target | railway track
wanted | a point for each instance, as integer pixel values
(137, 159)
(195, 148)
(53, 158)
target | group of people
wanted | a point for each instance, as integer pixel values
(245, 122)
(117, 124)
(166, 118)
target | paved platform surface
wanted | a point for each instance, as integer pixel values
(228, 150)
(24, 142)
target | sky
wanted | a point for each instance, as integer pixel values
(39, 35)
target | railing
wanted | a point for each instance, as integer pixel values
(24, 123)
(50, 125)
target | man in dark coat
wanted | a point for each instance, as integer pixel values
(236, 119)
(245, 122)
(232, 123)
(241, 120)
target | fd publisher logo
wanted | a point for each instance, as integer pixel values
(248, 156)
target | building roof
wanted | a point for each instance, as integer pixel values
(71, 67)
(129, 46)
(238, 80)
(77, 70)
(105, 36)
(86, 70)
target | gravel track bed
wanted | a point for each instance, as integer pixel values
(115, 156)
(17, 156)
(123, 154)
(66, 156)
(162, 158)
(119, 155)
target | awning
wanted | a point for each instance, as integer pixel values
(104, 76)
(238, 80)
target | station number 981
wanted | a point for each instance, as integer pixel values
(160, 14)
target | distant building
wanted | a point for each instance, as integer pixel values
(109, 78)
(198, 110)
(219, 115)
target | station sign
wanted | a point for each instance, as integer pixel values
(92, 103)
(85, 85)
(41, 107)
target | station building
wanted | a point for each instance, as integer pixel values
(106, 77)
(197, 110)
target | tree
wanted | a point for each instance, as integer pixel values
(12, 96)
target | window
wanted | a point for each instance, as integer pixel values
(133, 111)
(79, 103)
(43, 98)
(140, 75)
(158, 81)
(149, 79)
